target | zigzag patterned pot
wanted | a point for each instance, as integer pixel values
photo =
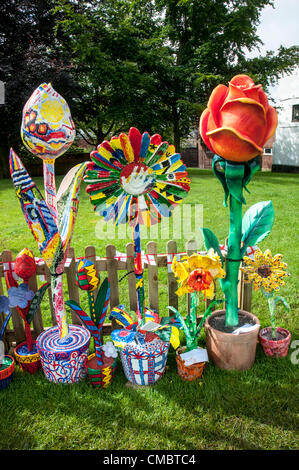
(100, 376)
(144, 364)
(64, 362)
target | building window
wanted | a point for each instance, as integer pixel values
(295, 113)
(268, 151)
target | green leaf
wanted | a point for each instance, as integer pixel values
(257, 223)
(283, 300)
(36, 301)
(211, 241)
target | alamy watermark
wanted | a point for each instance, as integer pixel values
(184, 223)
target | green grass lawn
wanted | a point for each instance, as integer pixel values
(255, 409)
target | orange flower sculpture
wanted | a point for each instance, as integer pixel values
(238, 120)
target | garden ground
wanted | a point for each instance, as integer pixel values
(255, 409)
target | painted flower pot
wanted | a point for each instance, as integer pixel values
(28, 362)
(100, 376)
(64, 361)
(278, 347)
(144, 364)
(188, 373)
(228, 350)
(6, 371)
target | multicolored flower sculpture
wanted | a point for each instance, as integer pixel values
(136, 178)
(48, 131)
(267, 273)
(238, 120)
(196, 273)
(21, 297)
(236, 124)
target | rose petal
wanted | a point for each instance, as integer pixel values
(216, 101)
(272, 121)
(246, 116)
(242, 81)
(203, 128)
(231, 145)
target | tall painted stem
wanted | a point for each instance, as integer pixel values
(50, 187)
(138, 272)
(57, 299)
(230, 283)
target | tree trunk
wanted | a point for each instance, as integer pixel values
(4, 158)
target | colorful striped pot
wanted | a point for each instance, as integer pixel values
(275, 348)
(63, 361)
(29, 362)
(100, 376)
(6, 371)
(144, 364)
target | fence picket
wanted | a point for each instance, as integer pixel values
(131, 277)
(73, 290)
(171, 279)
(153, 285)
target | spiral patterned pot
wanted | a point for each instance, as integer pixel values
(144, 364)
(29, 362)
(64, 361)
(6, 371)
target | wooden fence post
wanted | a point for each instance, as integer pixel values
(113, 278)
(153, 289)
(171, 279)
(131, 277)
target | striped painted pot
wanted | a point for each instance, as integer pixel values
(100, 376)
(6, 371)
(29, 362)
(144, 364)
(64, 361)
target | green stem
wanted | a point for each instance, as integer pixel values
(272, 304)
(229, 284)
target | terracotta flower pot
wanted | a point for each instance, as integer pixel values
(275, 348)
(188, 373)
(6, 371)
(100, 376)
(230, 351)
(29, 362)
(64, 362)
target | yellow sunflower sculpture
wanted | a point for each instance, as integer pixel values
(266, 271)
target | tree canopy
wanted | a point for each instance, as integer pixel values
(151, 64)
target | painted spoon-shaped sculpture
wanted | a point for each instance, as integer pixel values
(48, 131)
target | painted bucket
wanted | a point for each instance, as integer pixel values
(144, 364)
(188, 373)
(29, 362)
(100, 376)
(6, 371)
(274, 348)
(64, 362)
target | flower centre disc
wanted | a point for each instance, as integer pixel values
(137, 179)
(264, 271)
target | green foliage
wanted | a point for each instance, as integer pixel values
(211, 241)
(257, 223)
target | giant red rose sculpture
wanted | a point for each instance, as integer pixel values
(238, 120)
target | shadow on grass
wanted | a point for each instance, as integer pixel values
(254, 409)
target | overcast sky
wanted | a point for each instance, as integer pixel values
(279, 25)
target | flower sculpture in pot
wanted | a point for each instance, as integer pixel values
(237, 123)
(197, 274)
(27, 304)
(101, 365)
(138, 179)
(7, 362)
(48, 131)
(267, 273)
